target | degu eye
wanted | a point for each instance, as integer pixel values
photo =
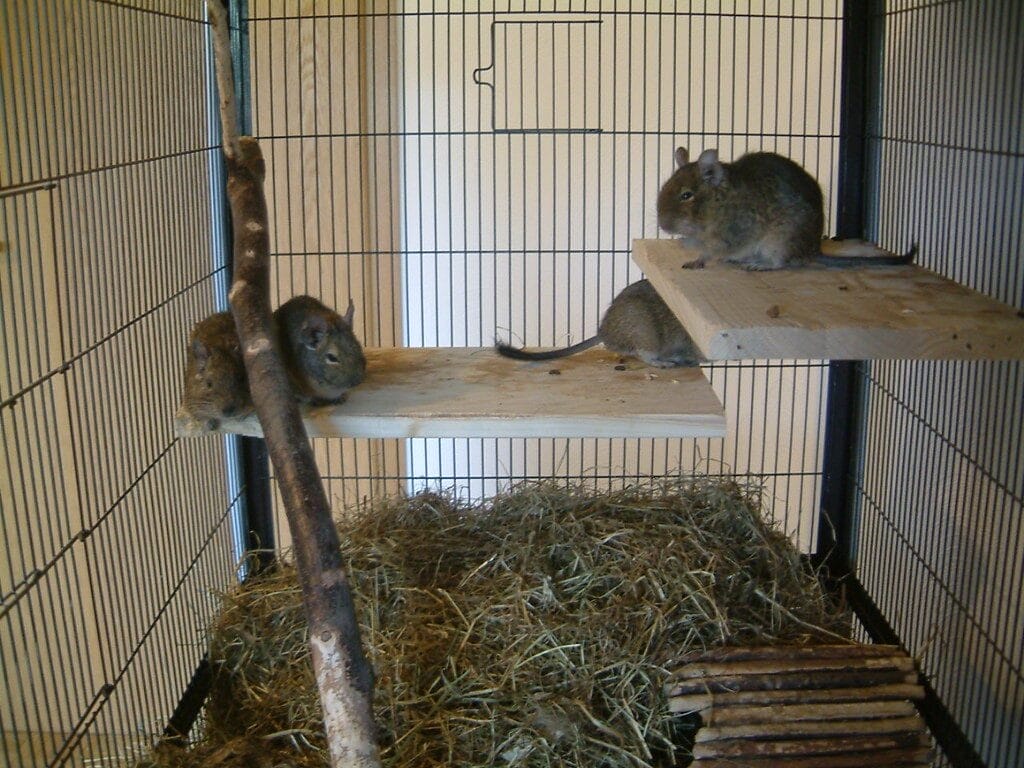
(331, 358)
(685, 195)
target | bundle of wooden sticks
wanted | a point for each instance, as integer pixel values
(823, 706)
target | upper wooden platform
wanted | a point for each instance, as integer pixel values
(822, 313)
(472, 392)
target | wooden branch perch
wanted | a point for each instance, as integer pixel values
(343, 675)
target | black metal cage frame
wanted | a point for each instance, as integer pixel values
(974, 127)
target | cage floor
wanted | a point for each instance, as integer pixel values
(472, 392)
(816, 313)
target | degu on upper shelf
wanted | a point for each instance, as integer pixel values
(817, 312)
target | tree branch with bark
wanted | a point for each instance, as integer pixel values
(343, 674)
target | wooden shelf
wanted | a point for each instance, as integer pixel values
(821, 313)
(472, 392)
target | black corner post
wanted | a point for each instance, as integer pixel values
(854, 100)
(835, 523)
(259, 514)
(252, 452)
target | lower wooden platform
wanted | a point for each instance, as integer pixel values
(473, 392)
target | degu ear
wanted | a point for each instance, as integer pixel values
(350, 313)
(710, 169)
(312, 332)
(682, 156)
(200, 353)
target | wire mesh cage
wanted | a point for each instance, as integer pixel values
(462, 190)
(112, 236)
(465, 172)
(940, 479)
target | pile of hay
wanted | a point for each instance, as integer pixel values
(533, 630)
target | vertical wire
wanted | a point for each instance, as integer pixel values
(49, 500)
(73, 336)
(100, 154)
(79, 691)
(133, 180)
(26, 549)
(557, 253)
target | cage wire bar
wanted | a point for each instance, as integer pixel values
(116, 535)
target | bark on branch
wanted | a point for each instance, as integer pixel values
(343, 674)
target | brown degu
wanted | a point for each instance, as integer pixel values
(761, 212)
(215, 383)
(637, 323)
(320, 352)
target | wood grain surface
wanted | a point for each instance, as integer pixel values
(818, 313)
(473, 392)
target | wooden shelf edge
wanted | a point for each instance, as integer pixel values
(473, 392)
(817, 313)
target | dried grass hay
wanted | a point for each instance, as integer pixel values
(535, 629)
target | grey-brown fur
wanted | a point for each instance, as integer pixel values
(215, 381)
(637, 323)
(320, 352)
(761, 212)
